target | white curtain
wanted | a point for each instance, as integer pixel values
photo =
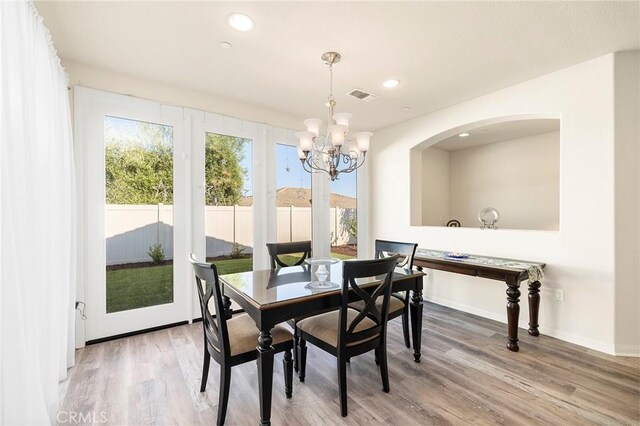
(37, 219)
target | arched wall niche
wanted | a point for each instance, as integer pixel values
(509, 163)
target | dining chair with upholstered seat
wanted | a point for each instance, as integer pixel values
(288, 249)
(399, 302)
(279, 249)
(346, 333)
(232, 341)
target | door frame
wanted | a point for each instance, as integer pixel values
(90, 108)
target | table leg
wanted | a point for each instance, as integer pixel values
(534, 307)
(226, 303)
(416, 321)
(513, 312)
(265, 374)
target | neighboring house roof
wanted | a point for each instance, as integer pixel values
(301, 197)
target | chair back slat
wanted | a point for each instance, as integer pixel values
(406, 252)
(215, 328)
(277, 249)
(355, 274)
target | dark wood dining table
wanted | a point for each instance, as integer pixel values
(271, 296)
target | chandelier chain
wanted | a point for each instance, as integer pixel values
(332, 101)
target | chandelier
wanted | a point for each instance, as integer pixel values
(335, 151)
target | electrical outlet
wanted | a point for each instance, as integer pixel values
(560, 294)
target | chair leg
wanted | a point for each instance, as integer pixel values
(287, 365)
(384, 369)
(405, 326)
(223, 400)
(342, 383)
(303, 359)
(377, 355)
(205, 369)
(296, 354)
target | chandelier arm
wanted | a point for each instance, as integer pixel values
(312, 163)
(353, 164)
(304, 166)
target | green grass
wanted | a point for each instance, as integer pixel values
(153, 285)
(139, 287)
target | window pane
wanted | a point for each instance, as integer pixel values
(138, 213)
(343, 215)
(229, 202)
(293, 197)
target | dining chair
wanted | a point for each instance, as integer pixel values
(346, 333)
(279, 249)
(295, 247)
(233, 341)
(399, 302)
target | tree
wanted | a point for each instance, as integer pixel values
(351, 223)
(224, 174)
(139, 164)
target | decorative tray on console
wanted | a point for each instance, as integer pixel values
(457, 256)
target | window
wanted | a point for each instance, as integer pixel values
(344, 216)
(293, 196)
(229, 202)
(138, 213)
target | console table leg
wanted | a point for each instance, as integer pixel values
(416, 307)
(265, 375)
(534, 307)
(513, 313)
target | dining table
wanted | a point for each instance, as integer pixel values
(273, 296)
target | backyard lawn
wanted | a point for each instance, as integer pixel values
(133, 288)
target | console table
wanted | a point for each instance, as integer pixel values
(510, 271)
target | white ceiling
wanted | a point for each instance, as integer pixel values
(443, 52)
(499, 132)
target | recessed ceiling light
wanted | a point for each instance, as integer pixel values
(240, 22)
(406, 109)
(225, 45)
(464, 135)
(389, 84)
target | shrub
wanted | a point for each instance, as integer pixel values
(237, 251)
(156, 253)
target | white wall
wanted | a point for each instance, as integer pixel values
(580, 257)
(84, 75)
(519, 178)
(435, 189)
(627, 197)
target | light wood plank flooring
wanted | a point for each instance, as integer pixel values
(466, 376)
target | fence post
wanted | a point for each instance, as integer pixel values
(335, 233)
(290, 223)
(158, 224)
(234, 224)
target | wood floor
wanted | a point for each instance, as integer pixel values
(466, 376)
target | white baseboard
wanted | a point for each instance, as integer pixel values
(628, 350)
(597, 345)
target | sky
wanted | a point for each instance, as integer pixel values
(289, 172)
(287, 156)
